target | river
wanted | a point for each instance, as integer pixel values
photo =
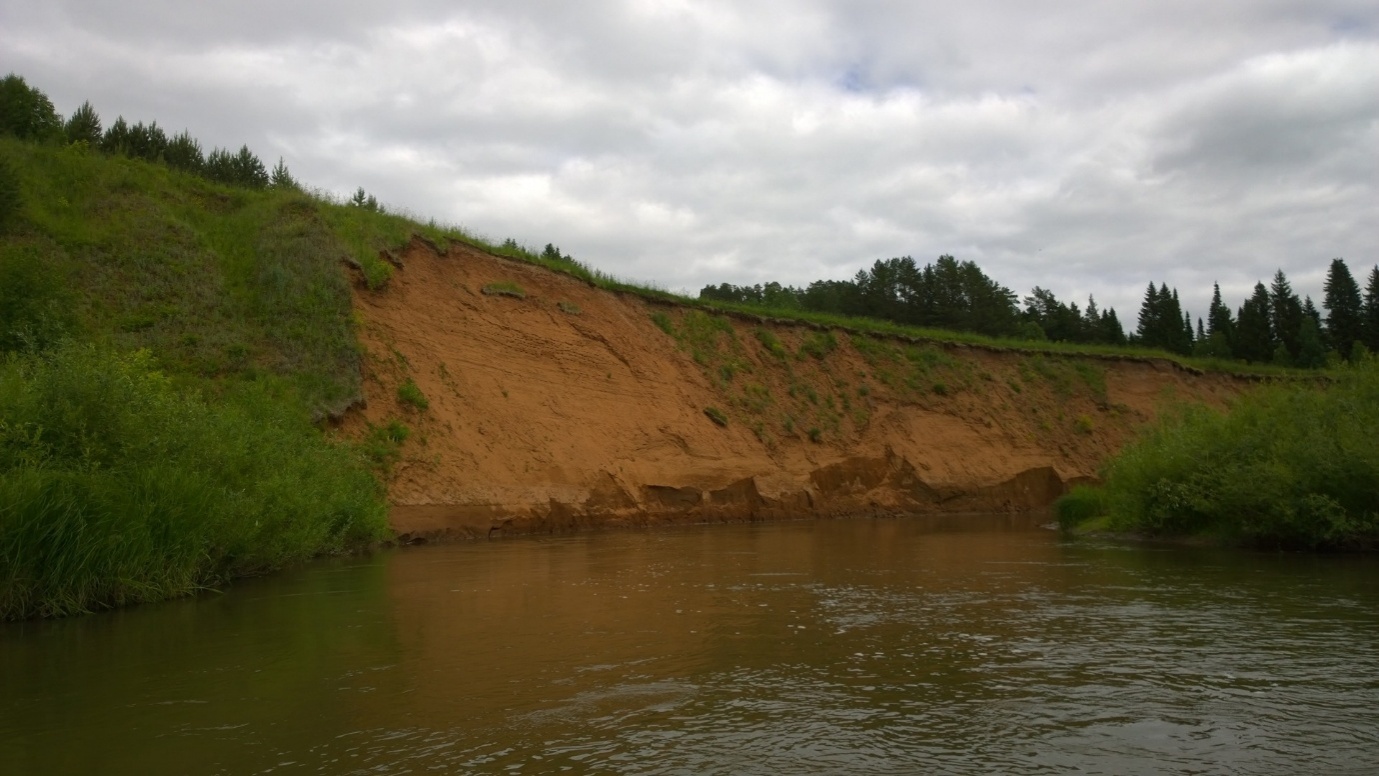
(947, 645)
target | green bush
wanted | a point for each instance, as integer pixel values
(1288, 466)
(34, 305)
(1078, 506)
(716, 415)
(505, 288)
(409, 393)
(116, 488)
(11, 195)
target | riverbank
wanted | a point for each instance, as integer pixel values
(537, 402)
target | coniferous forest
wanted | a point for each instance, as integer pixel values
(1272, 326)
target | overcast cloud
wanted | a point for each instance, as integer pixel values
(1086, 147)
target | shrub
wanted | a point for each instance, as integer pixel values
(1078, 506)
(505, 288)
(663, 323)
(569, 308)
(11, 195)
(1084, 424)
(34, 308)
(116, 488)
(815, 434)
(1290, 466)
(819, 344)
(408, 393)
(771, 343)
(716, 415)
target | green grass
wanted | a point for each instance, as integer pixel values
(505, 288)
(116, 487)
(716, 415)
(1290, 466)
(410, 395)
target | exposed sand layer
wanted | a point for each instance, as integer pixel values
(571, 407)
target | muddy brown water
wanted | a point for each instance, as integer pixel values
(972, 644)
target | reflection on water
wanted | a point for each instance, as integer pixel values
(948, 645)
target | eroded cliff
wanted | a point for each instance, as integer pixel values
(554, 405)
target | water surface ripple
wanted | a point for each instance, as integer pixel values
(973, 645)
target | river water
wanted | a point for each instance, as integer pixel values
(976, 644)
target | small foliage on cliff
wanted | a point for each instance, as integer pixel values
(410, 395)
(716, 415)
(505, 288)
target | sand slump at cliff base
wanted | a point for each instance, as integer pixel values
(547, 404)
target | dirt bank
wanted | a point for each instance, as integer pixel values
(555, 405)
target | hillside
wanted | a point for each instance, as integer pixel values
(553, 404)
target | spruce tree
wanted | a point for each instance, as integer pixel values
(1220, 324)
(1344, 321)
(1311, 351)
(1285, 312)
(1254, 337)
(1147, 332)
(1370, 327)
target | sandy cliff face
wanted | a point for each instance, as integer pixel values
(572, 406)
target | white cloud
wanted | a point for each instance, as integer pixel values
(1084, 147)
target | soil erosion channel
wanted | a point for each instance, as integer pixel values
(552, 405)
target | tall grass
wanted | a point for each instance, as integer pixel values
(1287, 466)
(117, 488)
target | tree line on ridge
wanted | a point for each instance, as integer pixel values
(1272, 326)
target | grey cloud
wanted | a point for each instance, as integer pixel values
(1084, 147)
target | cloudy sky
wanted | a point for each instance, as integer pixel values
(1086, 147)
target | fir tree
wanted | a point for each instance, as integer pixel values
(1311, 351)
(1254, 336)
(1285, 311)
(1220, 324)
(1344, 313)
(1370, 327)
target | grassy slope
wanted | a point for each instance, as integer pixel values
(156, 437)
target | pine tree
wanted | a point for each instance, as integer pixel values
(1285, 311)
(116, 137)
(281, 178)
(1344, 321)
(1220, 324)
(1254, 336)
(1370, 327)
(249, 172)
(220, 167)
(184, 153)
(84, 126)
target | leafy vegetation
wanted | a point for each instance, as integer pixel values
(116, 487)
(505, 288)
(1287, 466)
(409, 394)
